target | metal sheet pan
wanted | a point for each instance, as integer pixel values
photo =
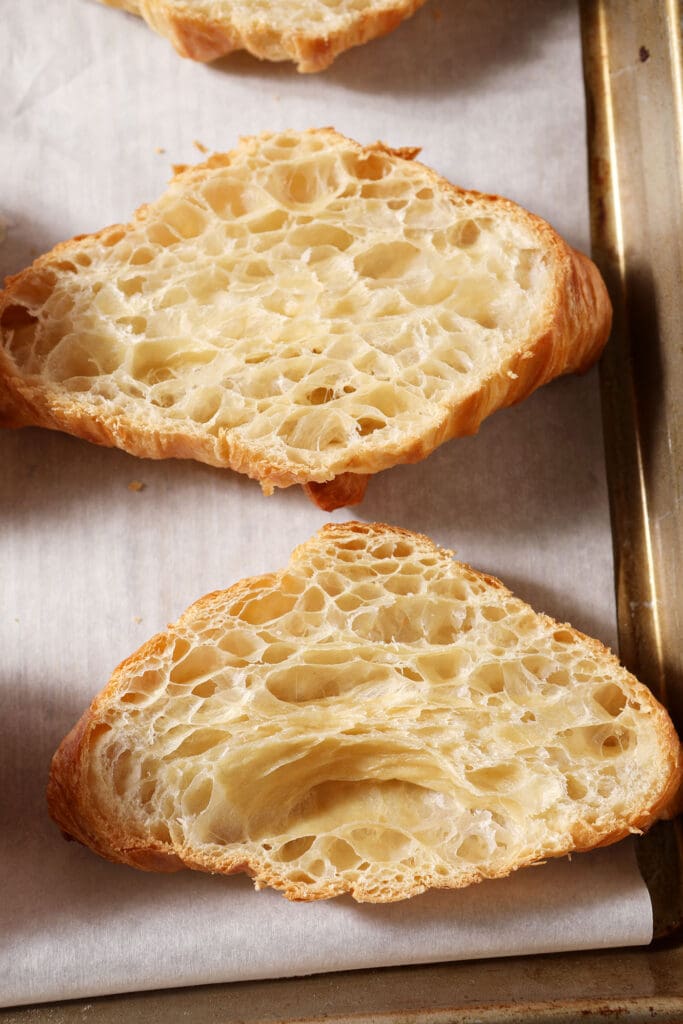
(632, 63)
(632, 55)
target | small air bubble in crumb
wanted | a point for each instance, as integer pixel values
(136, 485)
(159, 150)
(200, 146)
(137, 619)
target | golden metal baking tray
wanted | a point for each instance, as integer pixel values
(634, 90)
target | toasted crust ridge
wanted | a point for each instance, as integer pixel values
(308, 32)
(374, 719)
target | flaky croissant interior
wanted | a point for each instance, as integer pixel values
(376, 719)
(299, 309)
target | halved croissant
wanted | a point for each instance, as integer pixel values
(374, 719)
(304, 310)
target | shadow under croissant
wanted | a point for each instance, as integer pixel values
(442, 48)
(33, 722)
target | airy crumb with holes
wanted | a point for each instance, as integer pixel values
(304, 310)
(375, 719)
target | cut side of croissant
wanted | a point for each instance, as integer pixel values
(375, 719)
(309, 32)
(304, 310)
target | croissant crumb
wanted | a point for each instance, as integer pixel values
(375, 719)
(301, 310)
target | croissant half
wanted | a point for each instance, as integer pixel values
(375, 719)
(303, 310)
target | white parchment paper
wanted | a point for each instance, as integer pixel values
(94, 109)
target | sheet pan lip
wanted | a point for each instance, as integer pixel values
(155, 1004)
(634, 79)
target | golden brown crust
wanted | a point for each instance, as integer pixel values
(344, 491)
(206, 38)
(74, 807)
(69, 800)
(571, 333)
